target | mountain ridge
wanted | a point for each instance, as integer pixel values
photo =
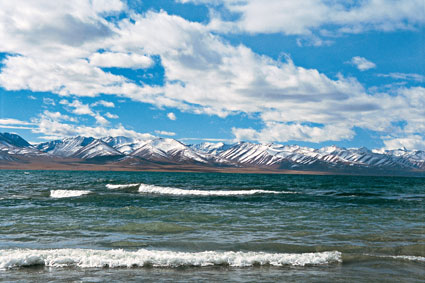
(134, 153)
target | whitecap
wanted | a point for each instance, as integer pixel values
(88, 258)
(152, 189)
(67, 193)
(110, 186)
(406, 257)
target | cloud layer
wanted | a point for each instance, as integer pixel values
(309, 16)
(64, 49)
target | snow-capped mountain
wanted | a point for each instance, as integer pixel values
(66, 147)
(124, 145)
(164, 149)
(416, 157)
(135, 152)
(12, 144)
(210, 148)
(97, 148)
(8, 139)
(281, 156)
(79, 147)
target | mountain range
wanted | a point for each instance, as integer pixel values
(125, 153)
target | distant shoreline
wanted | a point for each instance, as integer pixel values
(163, 168)
(182, 169)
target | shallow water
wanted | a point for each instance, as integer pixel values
(133, 226)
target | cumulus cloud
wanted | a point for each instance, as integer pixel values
(408, 142)
(104, 103)
(282, 132)
(77, 107)
(100, 119)
(308, 16)
(121, 60)
(203, 73)
(65, 23)
(52, 128)
(362, 63)
(172, 116)
(58, 116)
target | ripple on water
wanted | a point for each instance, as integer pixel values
(142, 228)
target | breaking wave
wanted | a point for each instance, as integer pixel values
(110, 186)
(67, 193)
(407, 257)
(152, 189)
(87, 258)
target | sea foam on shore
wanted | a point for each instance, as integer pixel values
(89, 258)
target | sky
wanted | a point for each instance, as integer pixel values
(312, 72)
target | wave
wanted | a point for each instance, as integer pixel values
(406, 257)
(152, 189)
(110, 186)
(67, 193)
(88, 258)
(146, 188)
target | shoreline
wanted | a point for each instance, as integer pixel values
(75, 166)
(159, 168)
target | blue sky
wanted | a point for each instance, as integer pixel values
(313, 72)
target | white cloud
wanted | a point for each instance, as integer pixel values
(164, 133)
(307, 16)
(281, 132)
(111, 116)
(48, 101)
(58, 116)
(362, 63)
(203, 73)
(207, 139)
(104, 103)
(79, 108)
(403, 76)
(121, 60)
(49, 24)
(172, 116)
(15, 127)
(11, 121)
(409, 142)
(52, 128)
(101, 120)
(64, 76)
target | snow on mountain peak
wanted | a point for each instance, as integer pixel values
(241, 154)
(96, 148)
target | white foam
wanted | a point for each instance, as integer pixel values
(67, 193)
(110, 186)
(407, 257)
(87, 258)
(152, 189)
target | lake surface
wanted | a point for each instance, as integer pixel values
(191, 227)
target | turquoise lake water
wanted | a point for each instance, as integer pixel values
(192, 227)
